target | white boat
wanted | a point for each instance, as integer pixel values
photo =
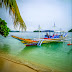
(58, 36)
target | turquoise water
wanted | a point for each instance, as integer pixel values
(53, 55)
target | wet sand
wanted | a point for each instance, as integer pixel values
(12, 64)
(9, 66)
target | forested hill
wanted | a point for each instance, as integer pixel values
(70, 30)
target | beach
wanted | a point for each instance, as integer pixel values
(51, 57)
(10, 66)
(35, 36)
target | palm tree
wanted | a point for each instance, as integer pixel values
(14, 12)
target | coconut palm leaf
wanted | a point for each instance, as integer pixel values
(14, 12)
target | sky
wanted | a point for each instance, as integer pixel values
(44, 13)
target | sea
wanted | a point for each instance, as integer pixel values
(55, 56)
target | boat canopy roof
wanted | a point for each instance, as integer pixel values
(47, 31)
(51, 31)
(58, 31)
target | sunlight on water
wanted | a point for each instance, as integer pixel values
(53, 55)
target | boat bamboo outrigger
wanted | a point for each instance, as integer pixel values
(58, 36)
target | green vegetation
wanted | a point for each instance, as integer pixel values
(14, 12)
(14, 31)
(4, 30)
(70, 30)
(36, 31)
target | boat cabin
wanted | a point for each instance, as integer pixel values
(55, 34)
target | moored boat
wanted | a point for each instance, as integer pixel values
(57, 36)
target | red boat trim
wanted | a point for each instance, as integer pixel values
(69, 44)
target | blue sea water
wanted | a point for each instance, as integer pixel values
(56, 56)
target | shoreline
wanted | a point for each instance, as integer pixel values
(13, 61)
(11, 66)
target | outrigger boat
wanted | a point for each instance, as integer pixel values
(58, 36)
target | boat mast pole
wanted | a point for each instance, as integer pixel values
(54, 27)
(39, 31)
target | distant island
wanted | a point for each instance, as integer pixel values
(70, 30)
(14, 31)
(44, 31)
(36, 31)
